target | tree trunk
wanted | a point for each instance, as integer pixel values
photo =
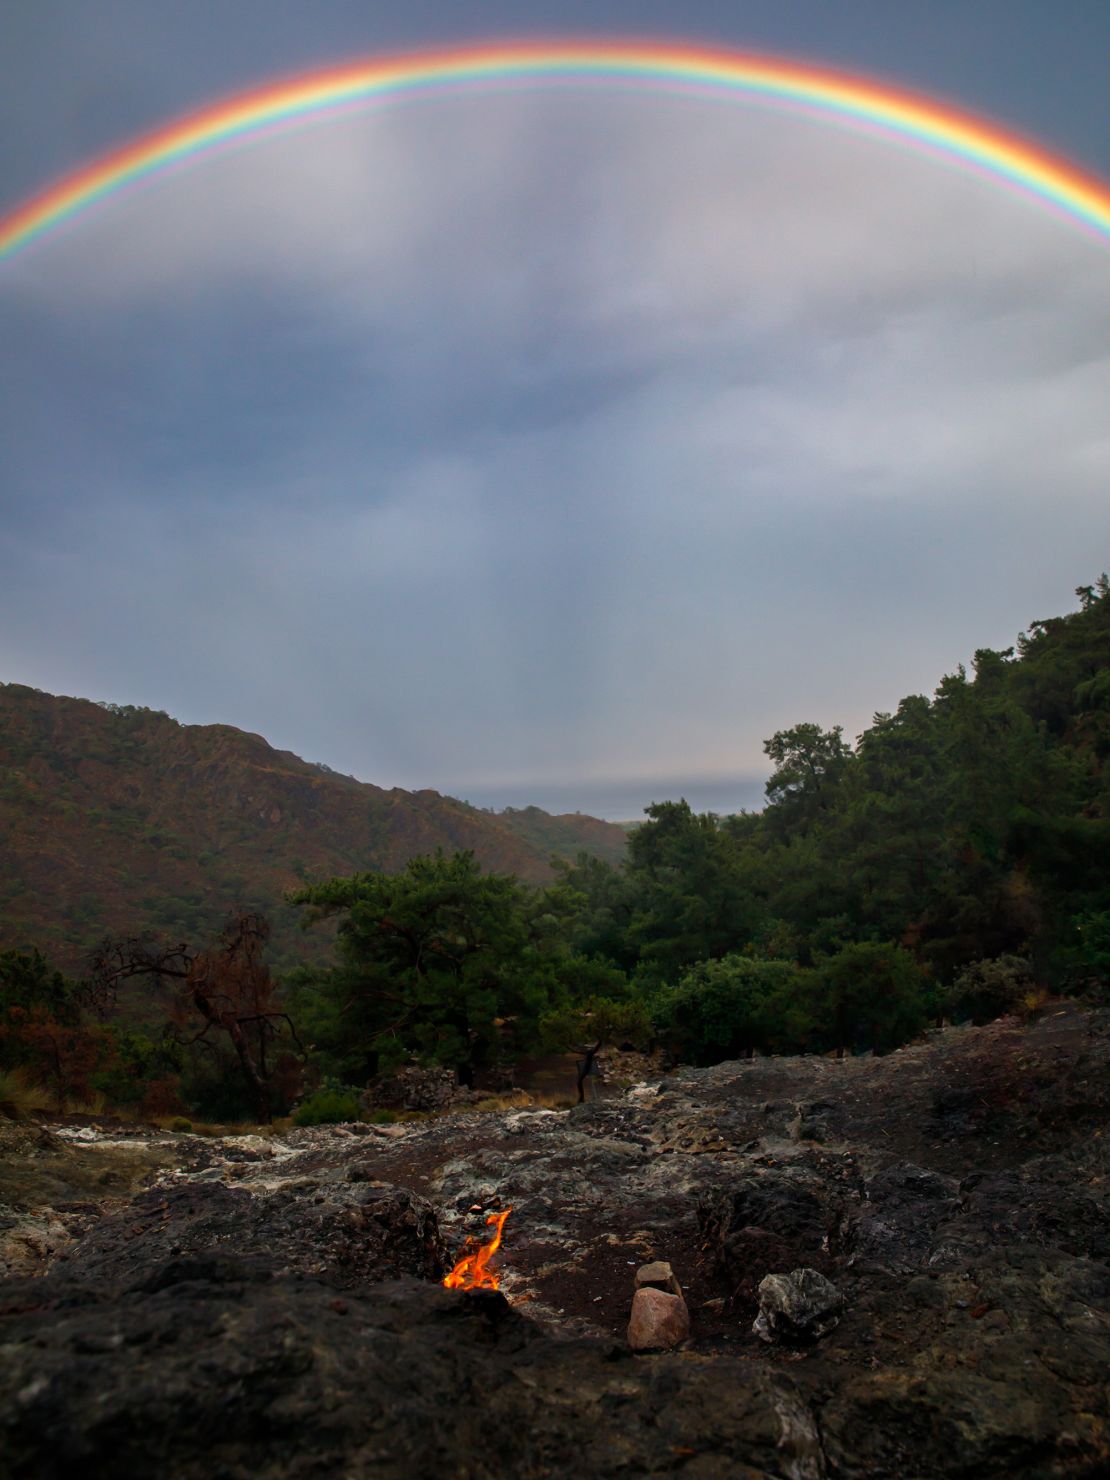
(584, 1067)
(259, 1088)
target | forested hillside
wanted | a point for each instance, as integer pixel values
(121, 820)
(955, 859)
(953, 863)
(964, 826)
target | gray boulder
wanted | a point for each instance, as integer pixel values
(800, 1306)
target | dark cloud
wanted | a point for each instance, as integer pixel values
(534, 441)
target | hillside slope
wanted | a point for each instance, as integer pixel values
(123, 820)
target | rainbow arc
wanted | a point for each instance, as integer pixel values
(900, 115)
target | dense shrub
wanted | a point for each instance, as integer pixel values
(213, 1089)
(868, 995)
(988, 989)
(1084, 956)
(161, 1097)
(332, 1104)
(724, 1009)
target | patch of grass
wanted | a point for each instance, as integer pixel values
(1033, 1004)
(216, 1128)
(234, 1128)
(178, 1123)
(556, 1102)
(517, 1100)
(19, 1098)
(524, 1100)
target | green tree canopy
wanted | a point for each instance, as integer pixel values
(867, 995)
(438, 962)
(809, 765)
(725, 1009)
(689, 898)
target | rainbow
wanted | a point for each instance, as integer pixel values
(961, 137)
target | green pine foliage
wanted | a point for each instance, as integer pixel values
(439, 963)
(727, 1008)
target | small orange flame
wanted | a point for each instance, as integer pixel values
(472, 1271)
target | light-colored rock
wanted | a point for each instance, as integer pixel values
(659, 1320)
(658, 1276)
(799, 1306)
(78, 1133)
(260, 1146)
(643, 1094)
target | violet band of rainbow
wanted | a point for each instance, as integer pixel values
(900, 115)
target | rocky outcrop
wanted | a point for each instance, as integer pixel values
(241, 1315)
(347, 1233)
(50, 1195)
(219, 1374)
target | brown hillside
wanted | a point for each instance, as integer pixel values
(121, 820)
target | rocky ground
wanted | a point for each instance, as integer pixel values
(184, 1306)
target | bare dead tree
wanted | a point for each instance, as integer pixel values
(227, 990)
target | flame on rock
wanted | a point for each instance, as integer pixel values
(472, 1271)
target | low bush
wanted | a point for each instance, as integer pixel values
(330, 1105)
(988, 989)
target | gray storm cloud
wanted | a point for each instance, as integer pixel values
(534, 438)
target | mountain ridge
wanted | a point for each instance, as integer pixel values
(119, 819)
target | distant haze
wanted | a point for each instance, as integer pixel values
(624, 801)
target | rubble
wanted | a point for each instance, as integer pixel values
(415, 1087)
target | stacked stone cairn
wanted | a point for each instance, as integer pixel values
(660, 1319)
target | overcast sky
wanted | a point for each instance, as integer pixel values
(544, 445)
